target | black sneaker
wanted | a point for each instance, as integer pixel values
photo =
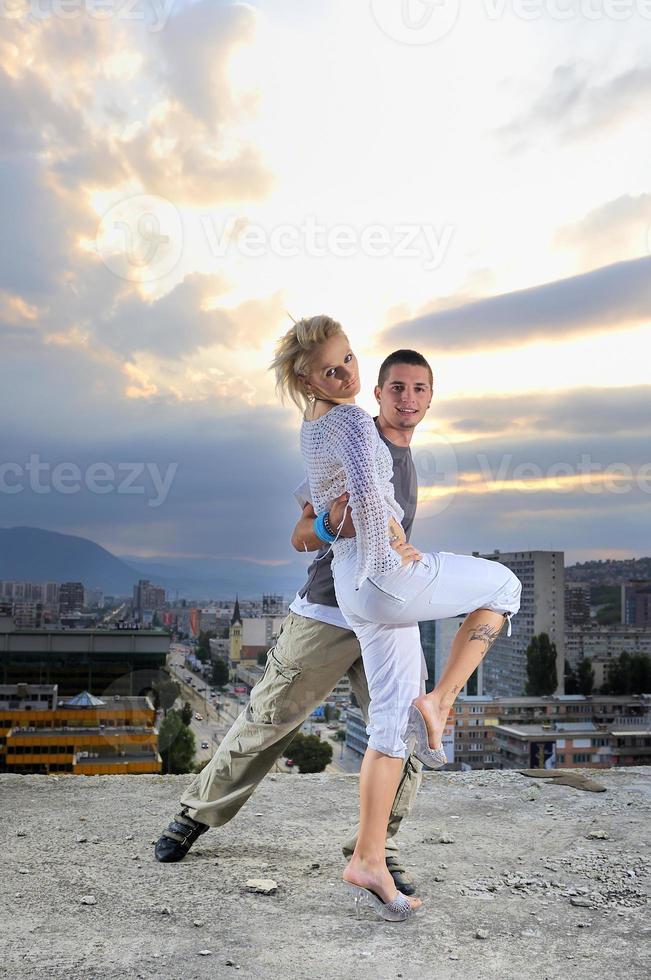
(177, 838)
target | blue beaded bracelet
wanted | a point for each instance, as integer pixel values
(320, 529)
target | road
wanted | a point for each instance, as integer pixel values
(214, 724)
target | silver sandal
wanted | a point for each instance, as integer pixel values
(397, 910)
(434, 758)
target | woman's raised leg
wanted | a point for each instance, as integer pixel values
(441, 586)
(471, 643)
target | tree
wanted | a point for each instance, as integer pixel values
(609, 616)
(167, 691)
(571, 685)
(585, 677)
(220, 672)
(542, 678)
(176, 744)
(608, 600)
(640, 673)
(330, 713)
(203, 645)
(309, 753)
(186, 713)
(617, 681)
(630, 673)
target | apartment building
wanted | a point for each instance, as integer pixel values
(603, 644)
(568, 746)
(636, 603)
(542, 610)
(493, 733)
(147, 598)
(71, 597)
(577, 604)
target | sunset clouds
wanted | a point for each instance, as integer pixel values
(177, 178)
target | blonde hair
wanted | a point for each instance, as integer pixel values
(294, 352)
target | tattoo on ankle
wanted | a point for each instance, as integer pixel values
(486, 634)
(448, 700)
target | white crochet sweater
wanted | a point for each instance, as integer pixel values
(343, 452)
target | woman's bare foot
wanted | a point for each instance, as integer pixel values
(377, 878)
(435, 719)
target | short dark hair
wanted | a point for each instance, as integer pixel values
(403, 357)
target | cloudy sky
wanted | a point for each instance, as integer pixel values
(467, 178)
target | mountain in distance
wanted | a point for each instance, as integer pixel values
(221, 578)
(33, 554)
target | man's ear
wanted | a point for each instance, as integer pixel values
(377, 391)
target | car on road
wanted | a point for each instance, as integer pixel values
(204, 745)
(197, 716)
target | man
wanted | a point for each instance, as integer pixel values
(314, 649)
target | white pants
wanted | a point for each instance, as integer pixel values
(384, 614)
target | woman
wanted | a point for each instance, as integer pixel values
(384, 587)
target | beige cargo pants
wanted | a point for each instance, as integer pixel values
(302, 669)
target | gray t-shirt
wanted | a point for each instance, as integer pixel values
(320, 587)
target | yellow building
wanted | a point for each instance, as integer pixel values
(250, 636)
(83, 735)
(235, 636)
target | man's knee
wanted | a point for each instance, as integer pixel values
(412, 775)
(359, 687)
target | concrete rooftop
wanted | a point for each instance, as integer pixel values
(492, 851)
